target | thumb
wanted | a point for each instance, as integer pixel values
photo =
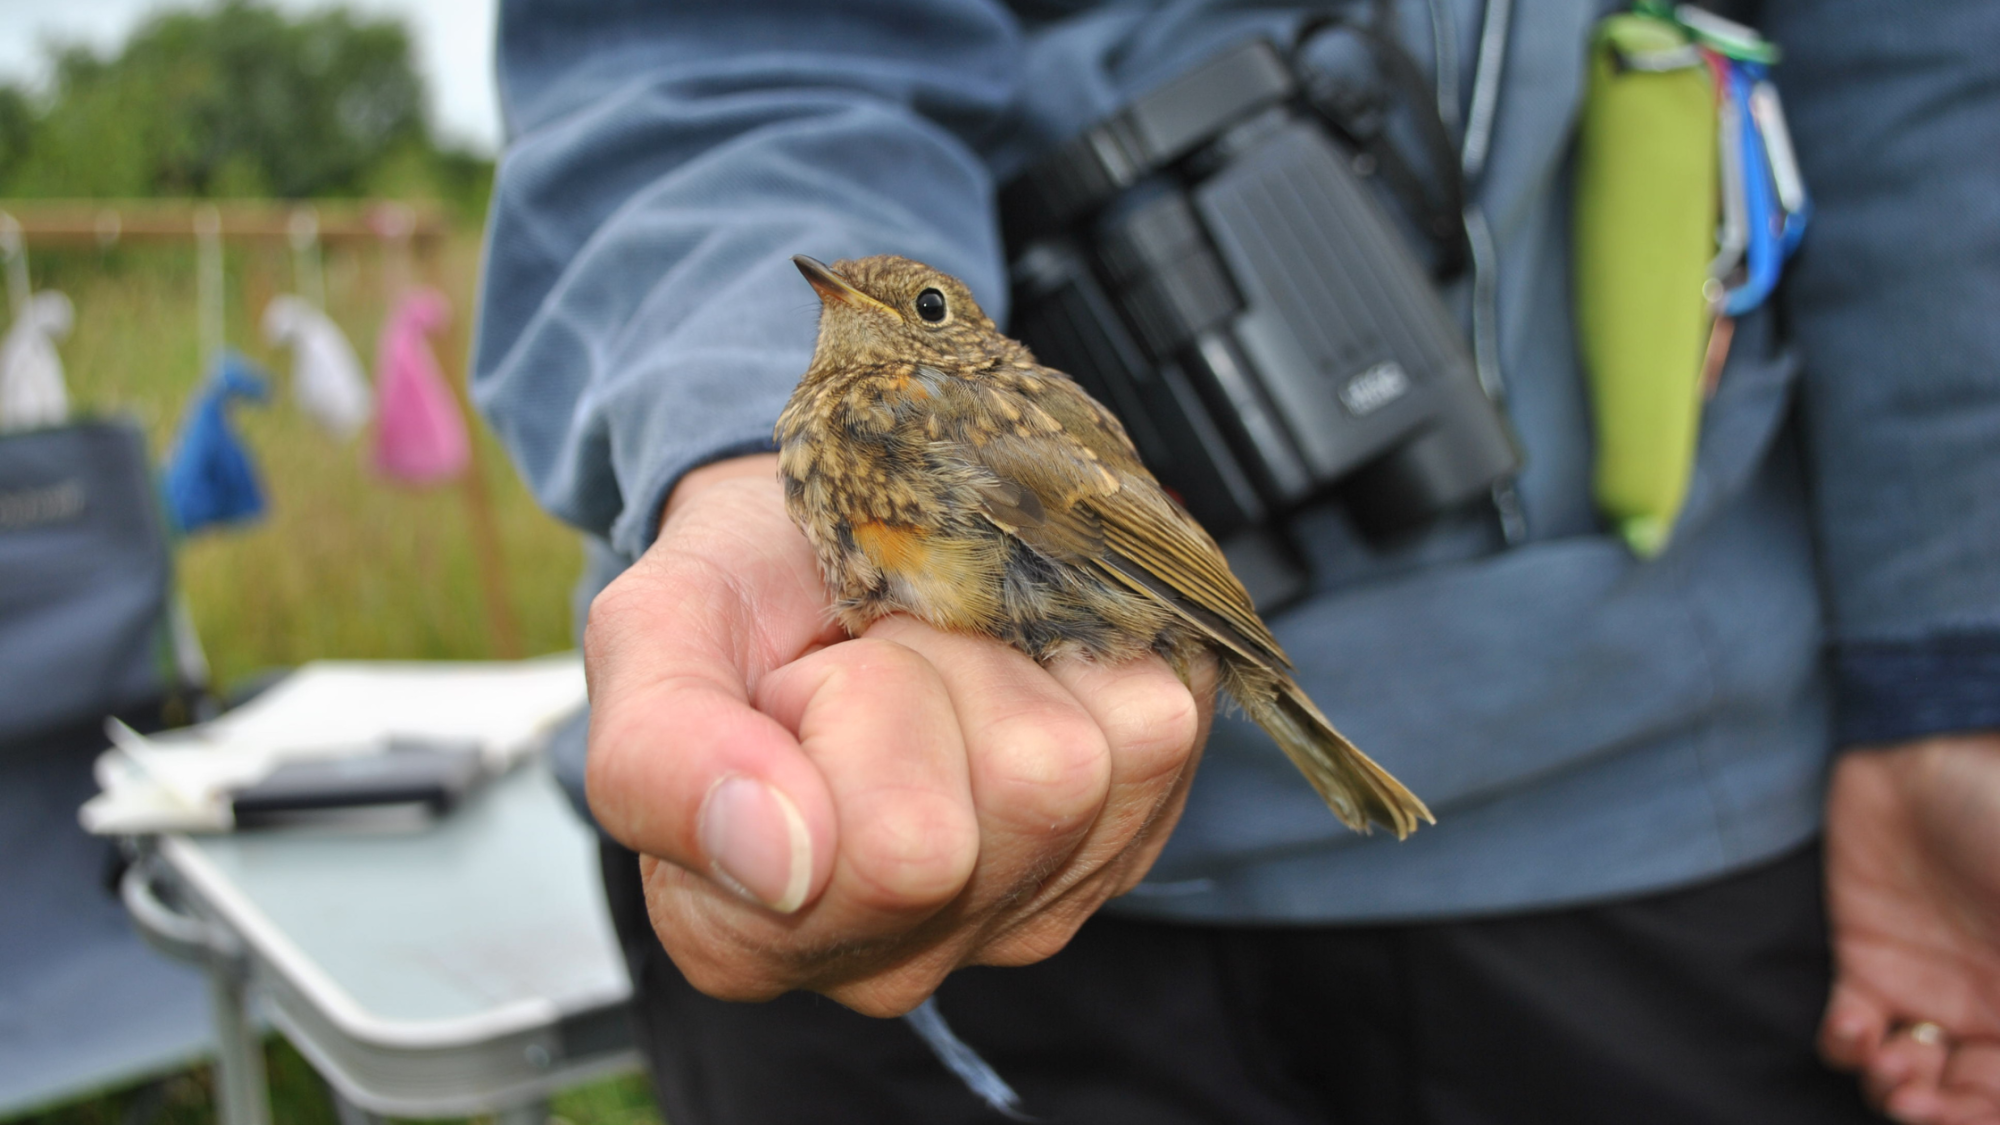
(686, 771)
(681, 765)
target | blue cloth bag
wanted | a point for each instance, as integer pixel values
(209, 479)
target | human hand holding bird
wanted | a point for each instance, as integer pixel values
(861, 816)
(858, 817)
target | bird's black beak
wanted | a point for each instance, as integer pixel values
(831, 286)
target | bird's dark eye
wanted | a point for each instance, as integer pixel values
(930, 305)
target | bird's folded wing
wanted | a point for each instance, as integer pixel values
(1076, 510)
(1152, 533)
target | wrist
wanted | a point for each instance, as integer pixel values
(759, 466)
(1915, 783)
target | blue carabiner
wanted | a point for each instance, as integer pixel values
(1764, 257)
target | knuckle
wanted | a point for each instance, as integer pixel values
(885, 665)
(603, 602)
(1152, 725)
(911, 850)
(1054, 765)
(607, 609)
(616, 633)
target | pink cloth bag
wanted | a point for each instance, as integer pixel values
(420, 435)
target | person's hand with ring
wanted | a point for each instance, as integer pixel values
(1913, 898)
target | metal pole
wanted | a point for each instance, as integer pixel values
(16, 254)
(208, 282)
(308, 274)
(242, 1094)
(502, 628)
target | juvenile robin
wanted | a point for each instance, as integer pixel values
(939, 471)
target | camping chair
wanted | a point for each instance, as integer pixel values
(86, 631)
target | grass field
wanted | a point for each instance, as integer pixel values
(344, 564)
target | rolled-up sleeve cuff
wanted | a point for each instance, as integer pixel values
(1891, 691)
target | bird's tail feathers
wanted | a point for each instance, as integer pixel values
(1358, 791)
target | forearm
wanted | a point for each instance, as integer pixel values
(1891, 303)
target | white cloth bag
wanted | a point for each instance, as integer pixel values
(32, 392)
(327, 377)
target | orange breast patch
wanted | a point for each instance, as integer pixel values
(893, 548)
(953, 582)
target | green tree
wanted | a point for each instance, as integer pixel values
(232, 100)
(17, 120)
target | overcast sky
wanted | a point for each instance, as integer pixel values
(454, 47)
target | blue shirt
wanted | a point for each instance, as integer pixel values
(1585, 725)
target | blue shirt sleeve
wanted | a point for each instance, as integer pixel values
(1895, 303)
(640, 315)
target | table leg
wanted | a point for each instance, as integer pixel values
(241, 1093)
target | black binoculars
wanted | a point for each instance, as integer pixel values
(1210, 264)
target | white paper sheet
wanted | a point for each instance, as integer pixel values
(182, 780)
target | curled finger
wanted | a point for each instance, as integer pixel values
(876, 720)
(1974, 1069)
(1853, 1028)
(1907, 1070)
(1038, 765)
(1155, 726)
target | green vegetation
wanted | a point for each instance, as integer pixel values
(236, 100)
(345, 564)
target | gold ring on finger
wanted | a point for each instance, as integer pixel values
(1927, 1033)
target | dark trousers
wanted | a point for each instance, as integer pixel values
(1690, 1007)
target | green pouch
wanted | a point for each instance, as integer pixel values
(1645, 218)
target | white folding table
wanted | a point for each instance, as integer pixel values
(463, 967)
